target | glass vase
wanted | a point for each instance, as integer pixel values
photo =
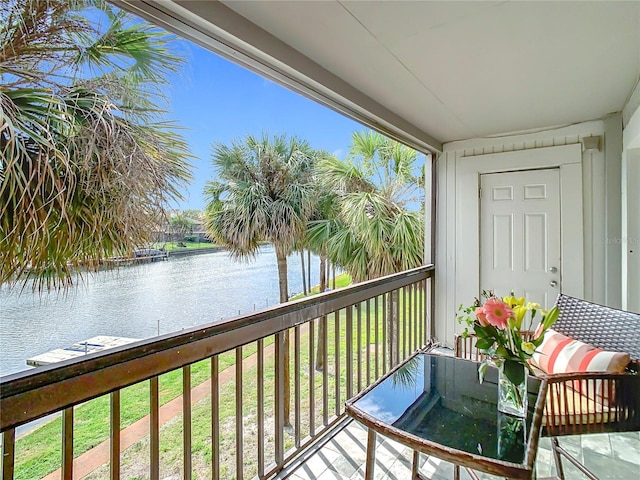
(512, 388)
(512, 437)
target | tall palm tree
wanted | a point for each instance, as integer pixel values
(87, 161)
(323, 223)
(264, 193)
(379, 228)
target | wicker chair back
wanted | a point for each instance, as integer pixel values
(603, 327)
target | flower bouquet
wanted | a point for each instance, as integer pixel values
(498, 326)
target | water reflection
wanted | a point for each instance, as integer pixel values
(140, 301)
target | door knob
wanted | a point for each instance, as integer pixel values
(553, 283)
(553, 269)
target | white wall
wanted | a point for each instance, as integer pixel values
(601, 206)
(630, 237)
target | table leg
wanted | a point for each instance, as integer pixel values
(371, 455)
(414, 467)
(456, 472)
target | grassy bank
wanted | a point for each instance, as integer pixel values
(172, 246)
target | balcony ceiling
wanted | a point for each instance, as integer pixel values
(430, 72)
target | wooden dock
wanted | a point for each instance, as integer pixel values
(95, 344)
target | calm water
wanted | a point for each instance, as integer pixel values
(135, 301)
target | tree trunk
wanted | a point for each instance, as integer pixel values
(309, 269)
(304, 275)
(333, 272)
(284, 298)
(323, 287)
(393, 318)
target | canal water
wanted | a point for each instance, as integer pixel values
(141, 301)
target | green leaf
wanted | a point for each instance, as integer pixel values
(482, 369)
(514, 371)
(550, 318)
(501, 351)
(484, 343)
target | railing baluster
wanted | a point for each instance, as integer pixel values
(154, 428)
(399, 314)
(359, 346)
(368, 341)
(67, 443)
(239, 418)
(431, 306)
(377, 337)
(215, 418)
(336, 376)
(412, 320)
(279, 397)
(8, 453)
(408, 308)
(420, 301)
(416, 316)
(420, 316)
(114, 446)
(406, 313)
(296, 385)
(312, 379)
(186, 421)
(385, 341)
(260, 406)
(403, 309)
(325, 371)
(349, 352)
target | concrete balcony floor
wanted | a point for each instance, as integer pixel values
(342, 457)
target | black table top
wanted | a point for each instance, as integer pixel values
(438, 400)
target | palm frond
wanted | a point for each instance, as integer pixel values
(81, 180)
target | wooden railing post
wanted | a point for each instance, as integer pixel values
(280, 345)
(67, 444)
(154, 429)
(8, 453)
(114, 447)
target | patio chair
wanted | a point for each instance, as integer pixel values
(587, 402)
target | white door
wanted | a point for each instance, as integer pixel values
(520, 234)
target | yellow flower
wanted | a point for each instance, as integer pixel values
(512, 301)
(519, 311)
(528, 348)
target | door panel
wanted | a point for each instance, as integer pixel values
(520, 234)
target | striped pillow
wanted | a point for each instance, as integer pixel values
(561, 354)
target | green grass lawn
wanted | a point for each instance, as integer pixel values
(39, 452)
(342, 280)
(171, 246)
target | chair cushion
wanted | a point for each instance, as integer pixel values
(567, 406)
(561, 354)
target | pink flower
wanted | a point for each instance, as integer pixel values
(482, 317)
(497, 312)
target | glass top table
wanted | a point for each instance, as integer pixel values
(436, 405)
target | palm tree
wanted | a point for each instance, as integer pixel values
(87, 161)
(181, 224)
(264, 193)
(375, 231)
(323, 224)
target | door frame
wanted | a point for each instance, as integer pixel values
(568, 158)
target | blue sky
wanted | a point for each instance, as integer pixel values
(218, 101)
